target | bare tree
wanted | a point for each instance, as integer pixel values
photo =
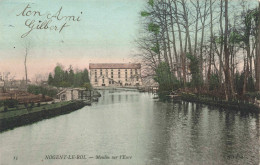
(27, 46)
(258, 53)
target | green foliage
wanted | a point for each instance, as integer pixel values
(50, 79)
(239, 83)
(88, 86)
(151, 3)
(10, 103)
(156, 49)
(68, 78)
(250, 84)
(235, 37)
(153, 28)
(214, 82)
(34, 89)
(219, 39)
(165, 78)
(194, 69)
(145, 14)
(1, 103)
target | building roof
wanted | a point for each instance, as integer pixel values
(114, 66)
(70, 89)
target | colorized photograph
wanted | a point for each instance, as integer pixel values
(129, 82)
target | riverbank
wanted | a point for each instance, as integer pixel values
(234, 105)
(12, 119)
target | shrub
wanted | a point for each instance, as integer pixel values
(38, 104)
(26, 105)
(32, 104)
(165, 78)
(42, 90)
(11, 103)
(1, 103)
(5, 109)
(87, 85)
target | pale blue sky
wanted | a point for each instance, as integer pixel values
(106, 31)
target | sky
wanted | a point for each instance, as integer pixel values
(105, 32)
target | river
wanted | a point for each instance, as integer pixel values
(132, 128)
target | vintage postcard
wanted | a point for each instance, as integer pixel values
(129, 82)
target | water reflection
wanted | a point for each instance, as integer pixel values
(150, 131)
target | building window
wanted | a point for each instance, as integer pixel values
(126, 79)
(95, 80)
(137, 78)
(119, 76)
(112, 76)
(106, 72)
(131, 72)
(126, 76)
(101, 72)
(103, 80)
(135, 71)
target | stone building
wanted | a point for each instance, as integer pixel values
(71, 94)
(115, 74)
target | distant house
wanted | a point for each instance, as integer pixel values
(115, 74)
(69, 94)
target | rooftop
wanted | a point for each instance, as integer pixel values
(114, 66)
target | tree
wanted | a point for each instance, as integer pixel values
(258, 53)
(67, 78)
(27, 46)
(50, 79)
(195, 71)
(58, 75)
(164, 77)
(171, 29)
(226, 53)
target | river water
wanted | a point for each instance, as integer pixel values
(131, 128)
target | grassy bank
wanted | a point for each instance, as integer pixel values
(21, 110)
(235, 105)
(14, 118)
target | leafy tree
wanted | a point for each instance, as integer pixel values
(68, 78)
(194, 69)
(165, 78)
(214, 82)
(58, 75)
(50, 79)
(87, 85)
(85, 76)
